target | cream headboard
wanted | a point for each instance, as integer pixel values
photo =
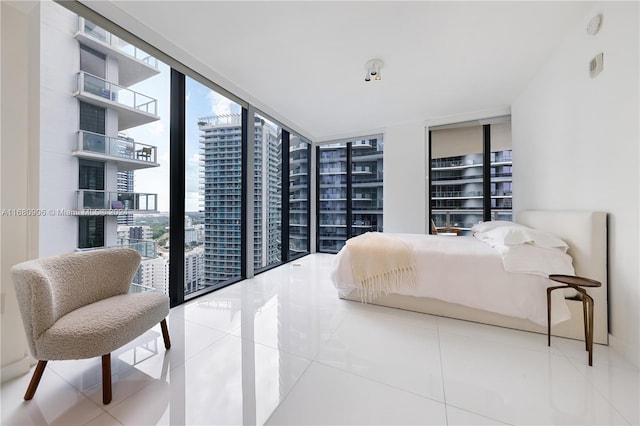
(586, 234)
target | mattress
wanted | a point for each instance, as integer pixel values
(467, 271)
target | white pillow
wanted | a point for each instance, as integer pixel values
(520, 234)
(488, 226)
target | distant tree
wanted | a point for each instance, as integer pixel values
(158, 231)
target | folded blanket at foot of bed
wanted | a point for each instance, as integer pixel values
(382, 264)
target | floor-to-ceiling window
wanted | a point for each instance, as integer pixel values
(332, 197)
(463, 191)
(501, 172)
(267, 193)
(126, 105)
(299, 195)
(366, 185)
(213, 191)
(350, 176)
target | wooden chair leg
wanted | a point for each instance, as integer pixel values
(35, 380)
(106, 379)
(165, 333)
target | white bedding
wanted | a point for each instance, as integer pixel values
(467, 271)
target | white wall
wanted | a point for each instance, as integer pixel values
(575, 146)
(405, 179)
(19, 152)
(58, 129)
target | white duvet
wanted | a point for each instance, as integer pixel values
(467, 271)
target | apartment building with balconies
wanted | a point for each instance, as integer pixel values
(299, 173)
(463, 192)
(350, 191)
(87, 163)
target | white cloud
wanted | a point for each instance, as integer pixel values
(156, 128)
(219, 104)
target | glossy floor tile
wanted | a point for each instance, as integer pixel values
(282, 348)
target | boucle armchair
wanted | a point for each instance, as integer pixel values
(78, 305)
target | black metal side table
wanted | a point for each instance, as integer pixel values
(576, 283)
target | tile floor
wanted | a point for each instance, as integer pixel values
(281, 348)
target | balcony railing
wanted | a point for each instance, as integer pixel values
(333, 223)
(299, 172)
(116, 147)
(332, 170)
(146, 248)
(448, 218)
(298, 147)
(361, 169)
(106, 203)
(105, 89)
(456, 194)
(92, 30)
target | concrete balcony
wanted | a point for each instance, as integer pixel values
(134, 65)
(126, 153)
(133, 108)
(299, 172)
(112, 203)
(361, 144)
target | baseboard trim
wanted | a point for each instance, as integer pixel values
(16, 369)
(624, 350)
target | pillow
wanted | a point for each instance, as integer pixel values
(488, 226)
(520, 234)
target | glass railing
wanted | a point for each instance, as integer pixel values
(329, 170)
(100, 87)
(146, 248)
(361, 169)
(116, 147)
(464, 219)
(456, 194)
(115, 202)
(92, 30)
(437, 164)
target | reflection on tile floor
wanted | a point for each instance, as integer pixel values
(282, 348)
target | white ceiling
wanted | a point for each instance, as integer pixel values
(303, 62)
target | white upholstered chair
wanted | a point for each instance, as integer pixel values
(78, 305)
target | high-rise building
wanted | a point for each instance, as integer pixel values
(463, 193)
(193, 269)
(153, 275)
(350, 178)
(86, 168)
(457, 197)
(298, 195)
(220, 156)
(140, 232)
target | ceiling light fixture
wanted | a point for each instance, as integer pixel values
(372, 69)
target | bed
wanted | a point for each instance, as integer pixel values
(449, 285)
